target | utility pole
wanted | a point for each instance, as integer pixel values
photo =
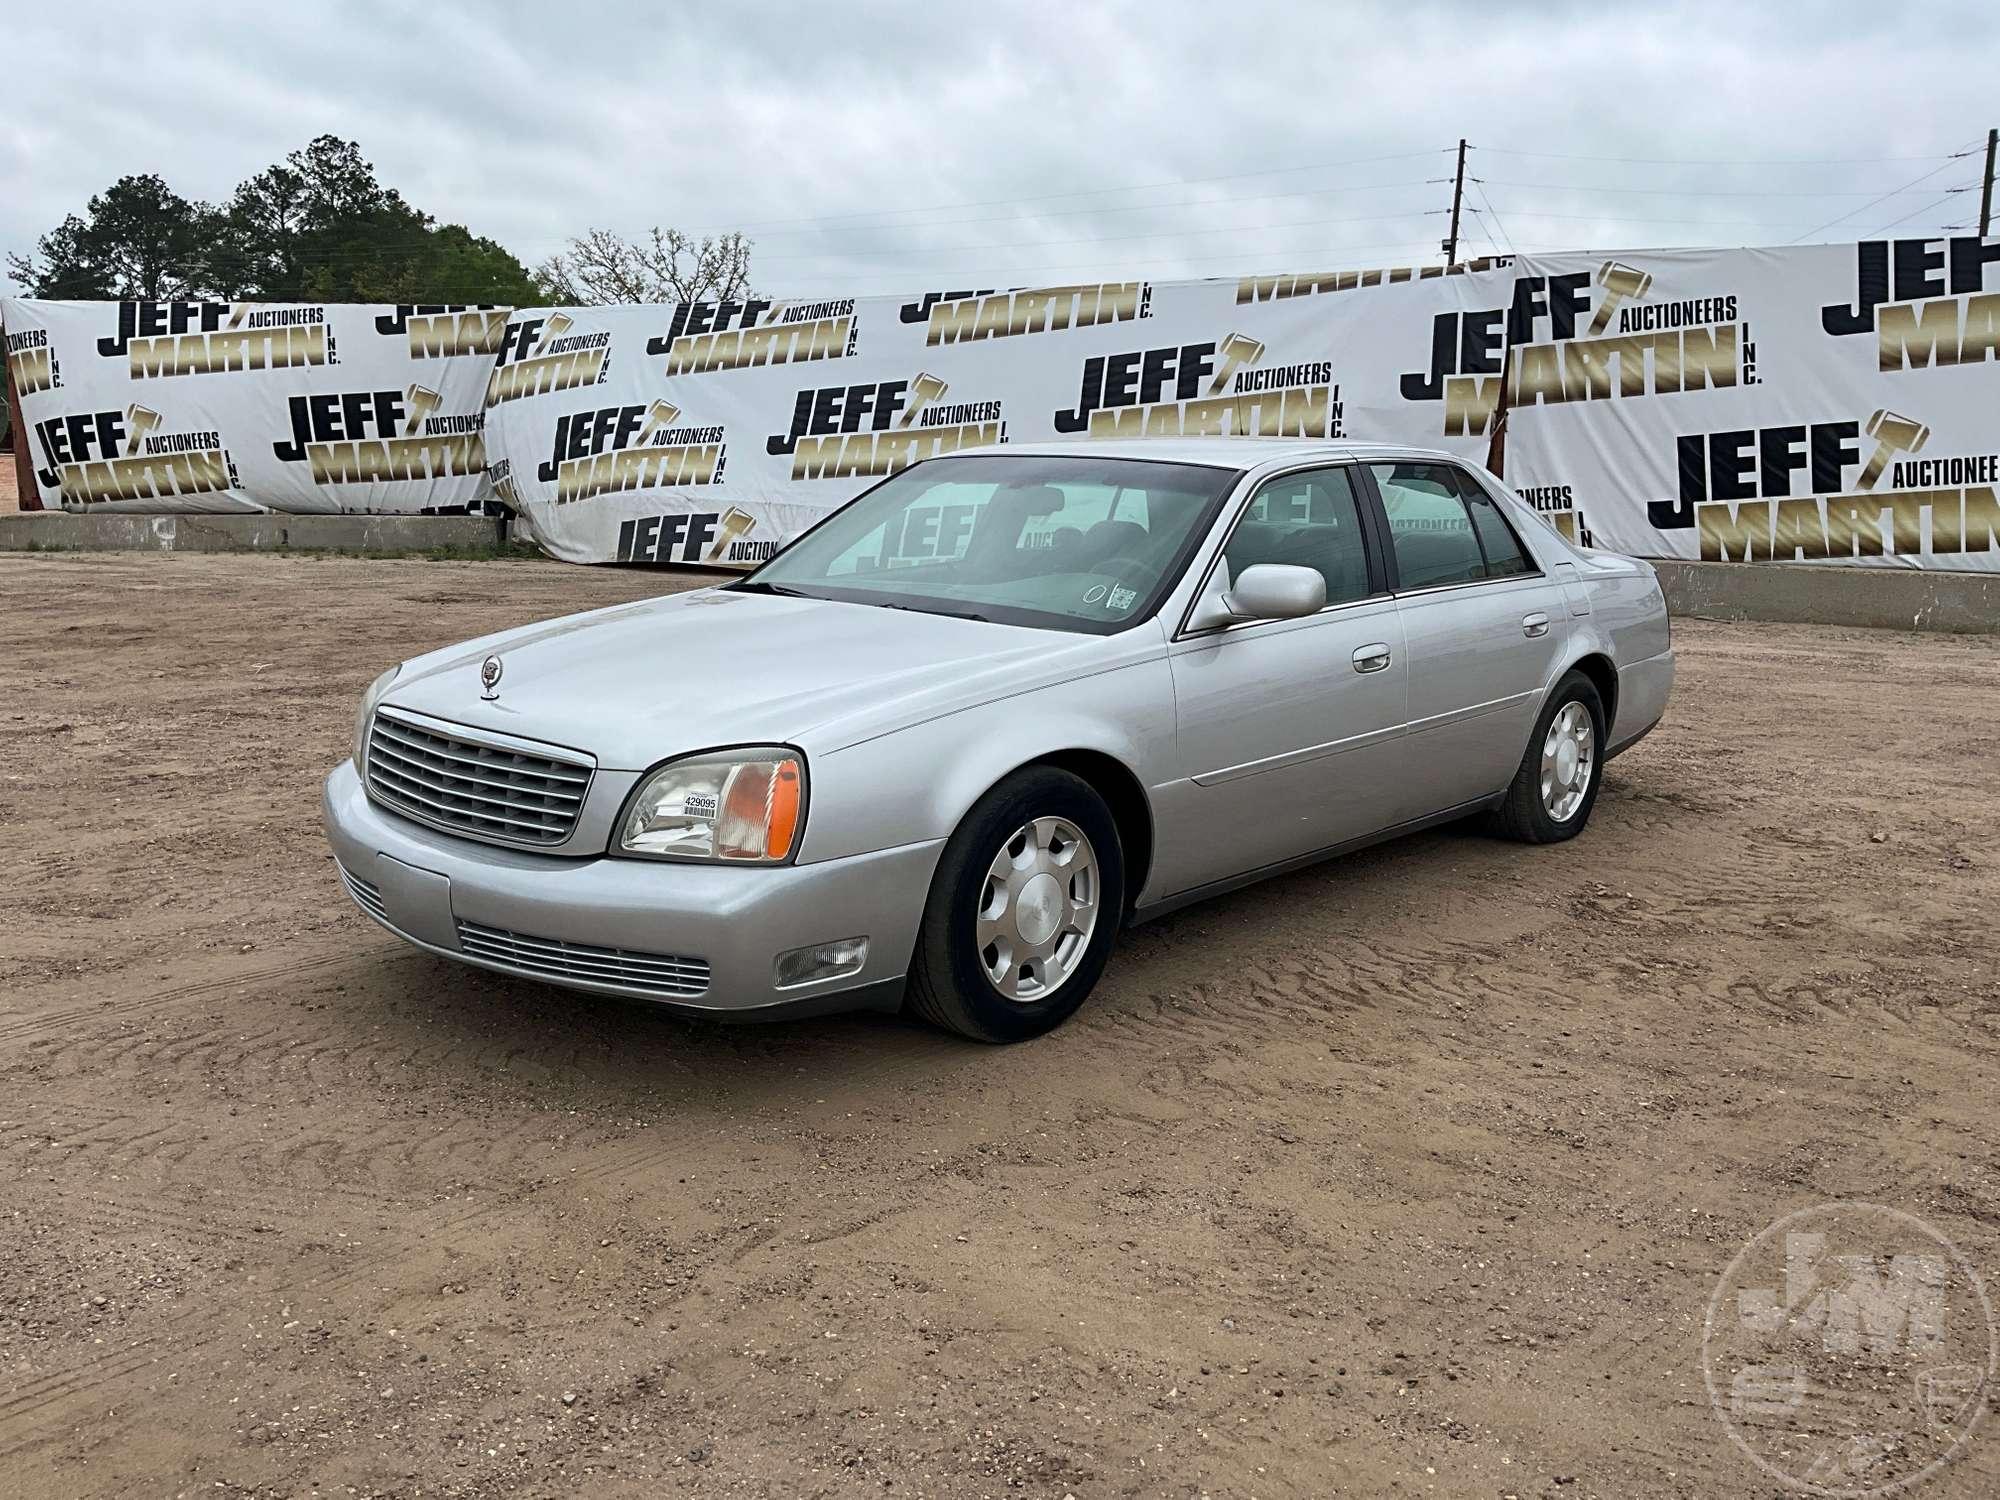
(1986, 192)
(1458, 196)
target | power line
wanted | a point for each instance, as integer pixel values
(1298, 257)
(838, 223)
(1532, 213)
(1319, 167)
(1744, 161)
(1494, 212)
(1071, 213)
(1485, 233)
(1107, 239)
(1142, 187)
(1883, 199)
(1232, 201)
(1678, 192)
(1924, 210)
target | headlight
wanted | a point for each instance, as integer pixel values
(368, 701)
(736, 805)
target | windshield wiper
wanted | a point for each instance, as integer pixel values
(918, 609)
(758, 586)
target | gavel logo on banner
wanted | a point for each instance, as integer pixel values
(660, 417)
(736, 524)
(925, 389)
(557, 325)
(1236, 351)
(422, 401)
(1893, 434)
(139, 420)
(1620, 282)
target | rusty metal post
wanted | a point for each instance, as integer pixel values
(24, 469)
(1496, 445)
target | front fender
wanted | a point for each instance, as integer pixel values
(917, 783)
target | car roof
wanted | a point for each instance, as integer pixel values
(1242, 453)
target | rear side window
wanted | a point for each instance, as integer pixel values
(1429, 525)
(1504, 557)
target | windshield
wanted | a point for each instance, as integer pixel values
(1066, 543)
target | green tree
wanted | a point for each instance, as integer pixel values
(313, 226)
(318, 226)
(139, 238)
(451, 264)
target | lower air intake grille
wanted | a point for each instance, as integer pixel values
(586, 963)
(365, 895)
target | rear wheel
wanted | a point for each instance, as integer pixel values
(1556, 784)
(1023, 909)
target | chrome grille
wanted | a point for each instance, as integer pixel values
(552, 958)
(365, 895)
(480, 789)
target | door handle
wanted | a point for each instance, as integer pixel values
(1371, 658)
(1536, 624)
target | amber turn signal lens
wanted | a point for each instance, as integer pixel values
(783, 819)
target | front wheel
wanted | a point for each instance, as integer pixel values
(1556, 785)
(1027, 898)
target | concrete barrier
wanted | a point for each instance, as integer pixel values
(56, 531)
(1812, 594)
(1884, 598)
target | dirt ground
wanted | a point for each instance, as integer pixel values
(1410, 1174)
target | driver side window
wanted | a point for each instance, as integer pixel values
(1312, 520)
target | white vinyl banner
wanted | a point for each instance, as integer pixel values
(220, 407)
(705, 432)
(1829, 403)
(1821, 403)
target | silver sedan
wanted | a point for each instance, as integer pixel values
(945, 744)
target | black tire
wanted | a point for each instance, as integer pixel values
(1522, 815)
(948, 984)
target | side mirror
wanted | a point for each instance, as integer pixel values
(1264, 591)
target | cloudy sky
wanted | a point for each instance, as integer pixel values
(893, 147)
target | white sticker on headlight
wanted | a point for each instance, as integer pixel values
(701, 804)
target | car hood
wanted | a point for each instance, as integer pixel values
(637, 683)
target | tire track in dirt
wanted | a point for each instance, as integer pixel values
(431, 1247)
(198, 989)
(423, 1258)
(310, 1156)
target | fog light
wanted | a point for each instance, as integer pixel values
(821, 961)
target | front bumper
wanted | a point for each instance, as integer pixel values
(699, 938)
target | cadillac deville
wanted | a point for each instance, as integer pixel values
(938, 750)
